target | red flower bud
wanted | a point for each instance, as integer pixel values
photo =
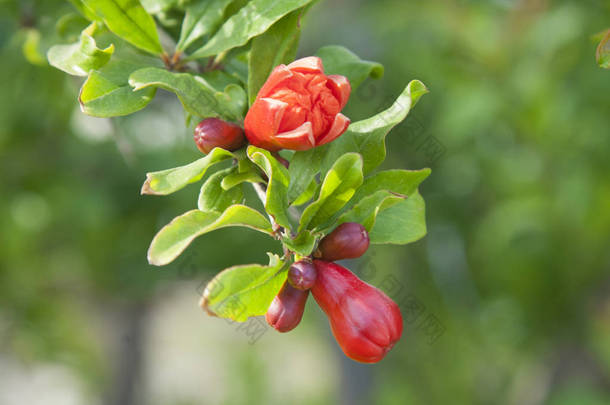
(302, 275)
(348, 241)
(286, 309)
(298, 107)
(365, 321)
(214, 132)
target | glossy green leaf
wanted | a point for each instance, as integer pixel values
(276, 201)
(252, 20)
(302, 244)
(174, 237)
(107, 93)
(367, 137)
(213, 197)
(602, 53)
(128, 20)
(196, 95)
(168, 181)
(276, 46)
(235, 179)
(240, 292)
(338, 60)
(202, 18)
(402, 223)
(79, 58)
(338, 187)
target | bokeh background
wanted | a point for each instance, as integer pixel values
(506, 300)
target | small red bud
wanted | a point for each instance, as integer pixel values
(214, 132)
(286, 309)
(365, 322)
(302, 275)
(348, 241)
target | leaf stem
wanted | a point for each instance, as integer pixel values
(261, 192)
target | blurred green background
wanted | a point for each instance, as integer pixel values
(506, 300)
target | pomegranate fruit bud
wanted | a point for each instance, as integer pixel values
(347, 241)
(286, 309)
(365, 322)
(302, 275)
(214, 132)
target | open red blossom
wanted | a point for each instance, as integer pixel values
(298, 107)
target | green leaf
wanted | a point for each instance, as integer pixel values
(128, 20)
(338, 187)
(84, 10)
(276, 201)
(168, 181)
(106, 93)
(196, 95)
(303, 168)
(402, 223)
(302, 244)
(380, 191)
(367, 137)
(234, 179)
(338, 60)
(252, 20)
(81, 57)
(240, 292)
(276, 46)
(366, 210)
(174, 237)
(602, 54)
(213, 197)
(307, 195)
(159, 6)
(202, 18)
(403, 182)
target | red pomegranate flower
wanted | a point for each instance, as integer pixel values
(298, 107)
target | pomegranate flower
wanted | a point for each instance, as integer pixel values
(298, 107)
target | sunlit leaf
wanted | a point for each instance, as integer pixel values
(338, 187)
(202, 18)
(197, 95)
(168, 181)
(240, 292)
(174, 237)
(276, 202)
(128, 20)
(252, 20)
(402, 223)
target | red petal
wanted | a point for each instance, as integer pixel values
(339, 126)
(263, 121)
(278, 75)
(300, 138)
(310, 64)
(340, 87)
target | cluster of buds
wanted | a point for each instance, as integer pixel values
(298, 108)
(365, 322)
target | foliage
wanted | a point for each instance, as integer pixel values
(268, 33)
